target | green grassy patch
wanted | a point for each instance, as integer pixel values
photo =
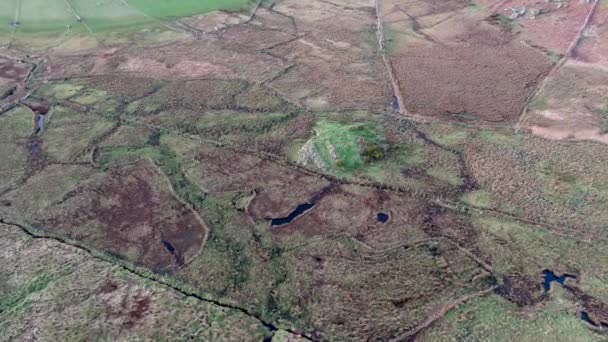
(604, 121)
(102, 15)
(124, 154)
(495, 319)
(595, 284)
(516, 247)
(345, 148)
(7, 15)
(538, 103)
(14, 159)
(45, 188)
(90, 96)
(500, 138)
(69, 16)
(15, 299)
(69, 134)
(170, 8)
(61, 91)
(16, 125)
(451, 138)
(480, 198)
(449, 176)
(569, 189)
(45, 16)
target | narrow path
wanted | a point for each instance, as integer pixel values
(157, 280)
(541, 86)
(387, 63)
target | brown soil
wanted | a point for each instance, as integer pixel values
(37, 106)
(206, 57)
(107, 287)
(60, 67)
(487, 82)
(12, 70)
(130, 311)
(131, 212)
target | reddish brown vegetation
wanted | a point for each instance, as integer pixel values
(353, 211)
(108, 287)
(132, 213)
(222, 171)
(37, 107)
(490, 80)
(521, 289)
(12, 70)
(131, 310)
(123, 86)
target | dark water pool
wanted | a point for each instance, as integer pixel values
(585, 317)
(382, 217)
(301, 209)
(168, 246)
(39, 122)
(549, 277)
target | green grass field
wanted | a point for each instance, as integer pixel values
(45, 16)
(108, 14)
(172, 8)
(340, 145)
(62, 15)
(7, 14)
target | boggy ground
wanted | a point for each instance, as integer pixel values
(130, 212)
(254, 178)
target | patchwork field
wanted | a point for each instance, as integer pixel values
(389, 170)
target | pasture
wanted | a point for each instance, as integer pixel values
(31, 16)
